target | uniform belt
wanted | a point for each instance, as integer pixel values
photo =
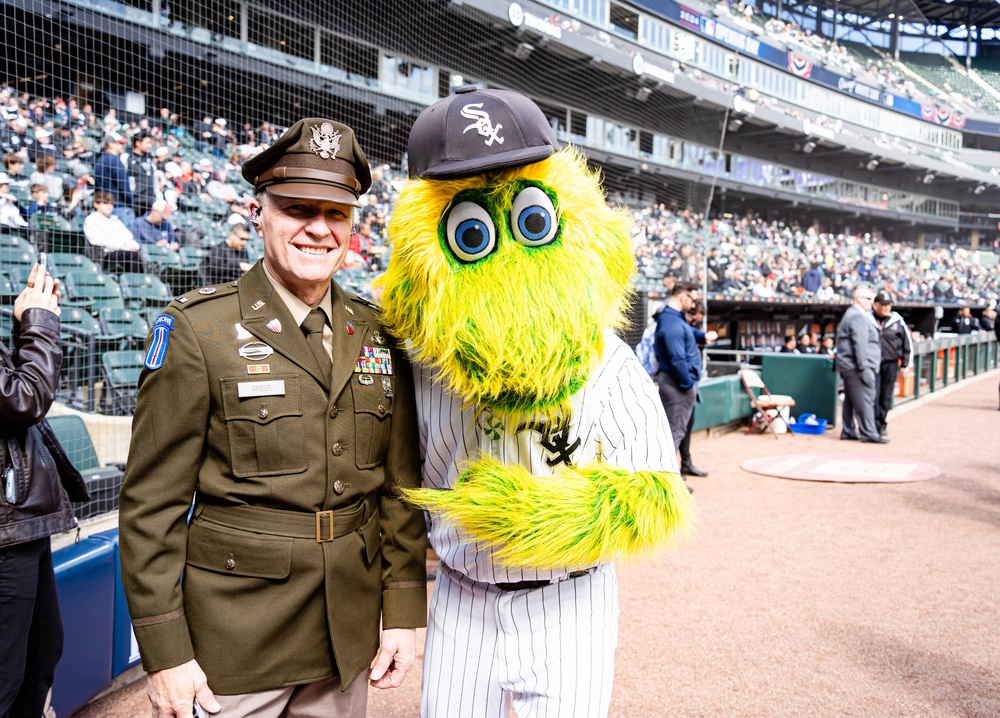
(527, 585)
(322, 526)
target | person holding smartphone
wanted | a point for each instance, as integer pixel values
(33, 503)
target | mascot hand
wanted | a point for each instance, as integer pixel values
(578, 517)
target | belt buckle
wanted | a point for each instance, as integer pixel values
(320, 538)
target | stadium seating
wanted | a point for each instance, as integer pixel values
(21, 253)
(62, 262)
(144, 290)
(103, 482)
(127, 323)
(157, 258)
(120, 370)
(94, 289)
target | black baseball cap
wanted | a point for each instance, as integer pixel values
(476, 131)
(882, 298)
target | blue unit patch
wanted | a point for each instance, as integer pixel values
(157, 351)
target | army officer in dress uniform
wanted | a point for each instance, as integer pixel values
(281, 403)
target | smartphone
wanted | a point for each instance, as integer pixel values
(200, 712)
(43, 261)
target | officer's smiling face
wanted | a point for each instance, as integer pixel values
(305, 242)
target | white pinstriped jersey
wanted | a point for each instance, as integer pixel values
(617, 414)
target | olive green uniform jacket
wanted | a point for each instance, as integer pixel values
(266, 588)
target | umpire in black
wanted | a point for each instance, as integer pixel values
(897, 351)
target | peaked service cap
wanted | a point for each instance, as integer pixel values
(315, 159)
(476, 131)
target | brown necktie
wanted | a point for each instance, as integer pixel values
(312, 326)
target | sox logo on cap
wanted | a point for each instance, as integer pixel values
(482, 123)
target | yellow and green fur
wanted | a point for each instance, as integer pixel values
(520, 332)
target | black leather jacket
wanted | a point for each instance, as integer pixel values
(33, 502)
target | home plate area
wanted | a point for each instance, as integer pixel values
(845, 468)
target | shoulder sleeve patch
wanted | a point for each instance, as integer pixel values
(157, 351)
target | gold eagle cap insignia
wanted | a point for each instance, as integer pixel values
(325, 141)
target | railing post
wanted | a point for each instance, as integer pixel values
(932, 384)
(917, 366)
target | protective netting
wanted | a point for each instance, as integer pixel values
(125, 125)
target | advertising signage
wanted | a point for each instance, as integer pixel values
(801, 66)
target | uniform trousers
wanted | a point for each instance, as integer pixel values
(678, 404)
(685, 446)
(859, 405)
(547, 651)
(322, 699)
(31, 629)
(886, 388)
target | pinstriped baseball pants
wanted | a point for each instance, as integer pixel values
(547, 651)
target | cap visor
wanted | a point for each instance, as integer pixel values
(492, 163)
(308, 190)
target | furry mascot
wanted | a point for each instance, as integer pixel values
(546, 450)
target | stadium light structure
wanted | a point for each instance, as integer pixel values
(734, 124)
(808, 147)
(643, 93)
(872, 164)
(523, 51)
(927, 178)
(979, 189)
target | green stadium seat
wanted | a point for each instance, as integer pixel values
(23, 252)
(158, 258)
(101, 289)
(103, 482)
(63, 262)
(9, 290)
(121, 371)
(144, 290)
(128, 323)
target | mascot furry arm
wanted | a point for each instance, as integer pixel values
(504, 285)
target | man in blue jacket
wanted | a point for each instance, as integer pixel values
(111, 176)
(676, 348)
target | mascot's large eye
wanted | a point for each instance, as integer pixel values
(533, 218)
(471, 234)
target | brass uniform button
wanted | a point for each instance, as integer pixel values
(262, 413)
(338, 487)
(381, 409)
(230, 564)
(337, 449)
(333, 412)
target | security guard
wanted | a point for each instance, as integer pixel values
(897, 354)
(285, 408)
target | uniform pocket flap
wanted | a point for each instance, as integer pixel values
(237, 552)
(373, 398)
(371, 532)
(263, 403)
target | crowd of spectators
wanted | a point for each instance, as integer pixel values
(882, 70)
(751, 257)
(125, 181)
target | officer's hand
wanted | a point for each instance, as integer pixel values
(173, 691)
(397, 652)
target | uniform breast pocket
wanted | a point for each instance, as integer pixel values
(264, 426)
(372, 420)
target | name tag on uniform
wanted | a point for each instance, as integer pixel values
(261, 388)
